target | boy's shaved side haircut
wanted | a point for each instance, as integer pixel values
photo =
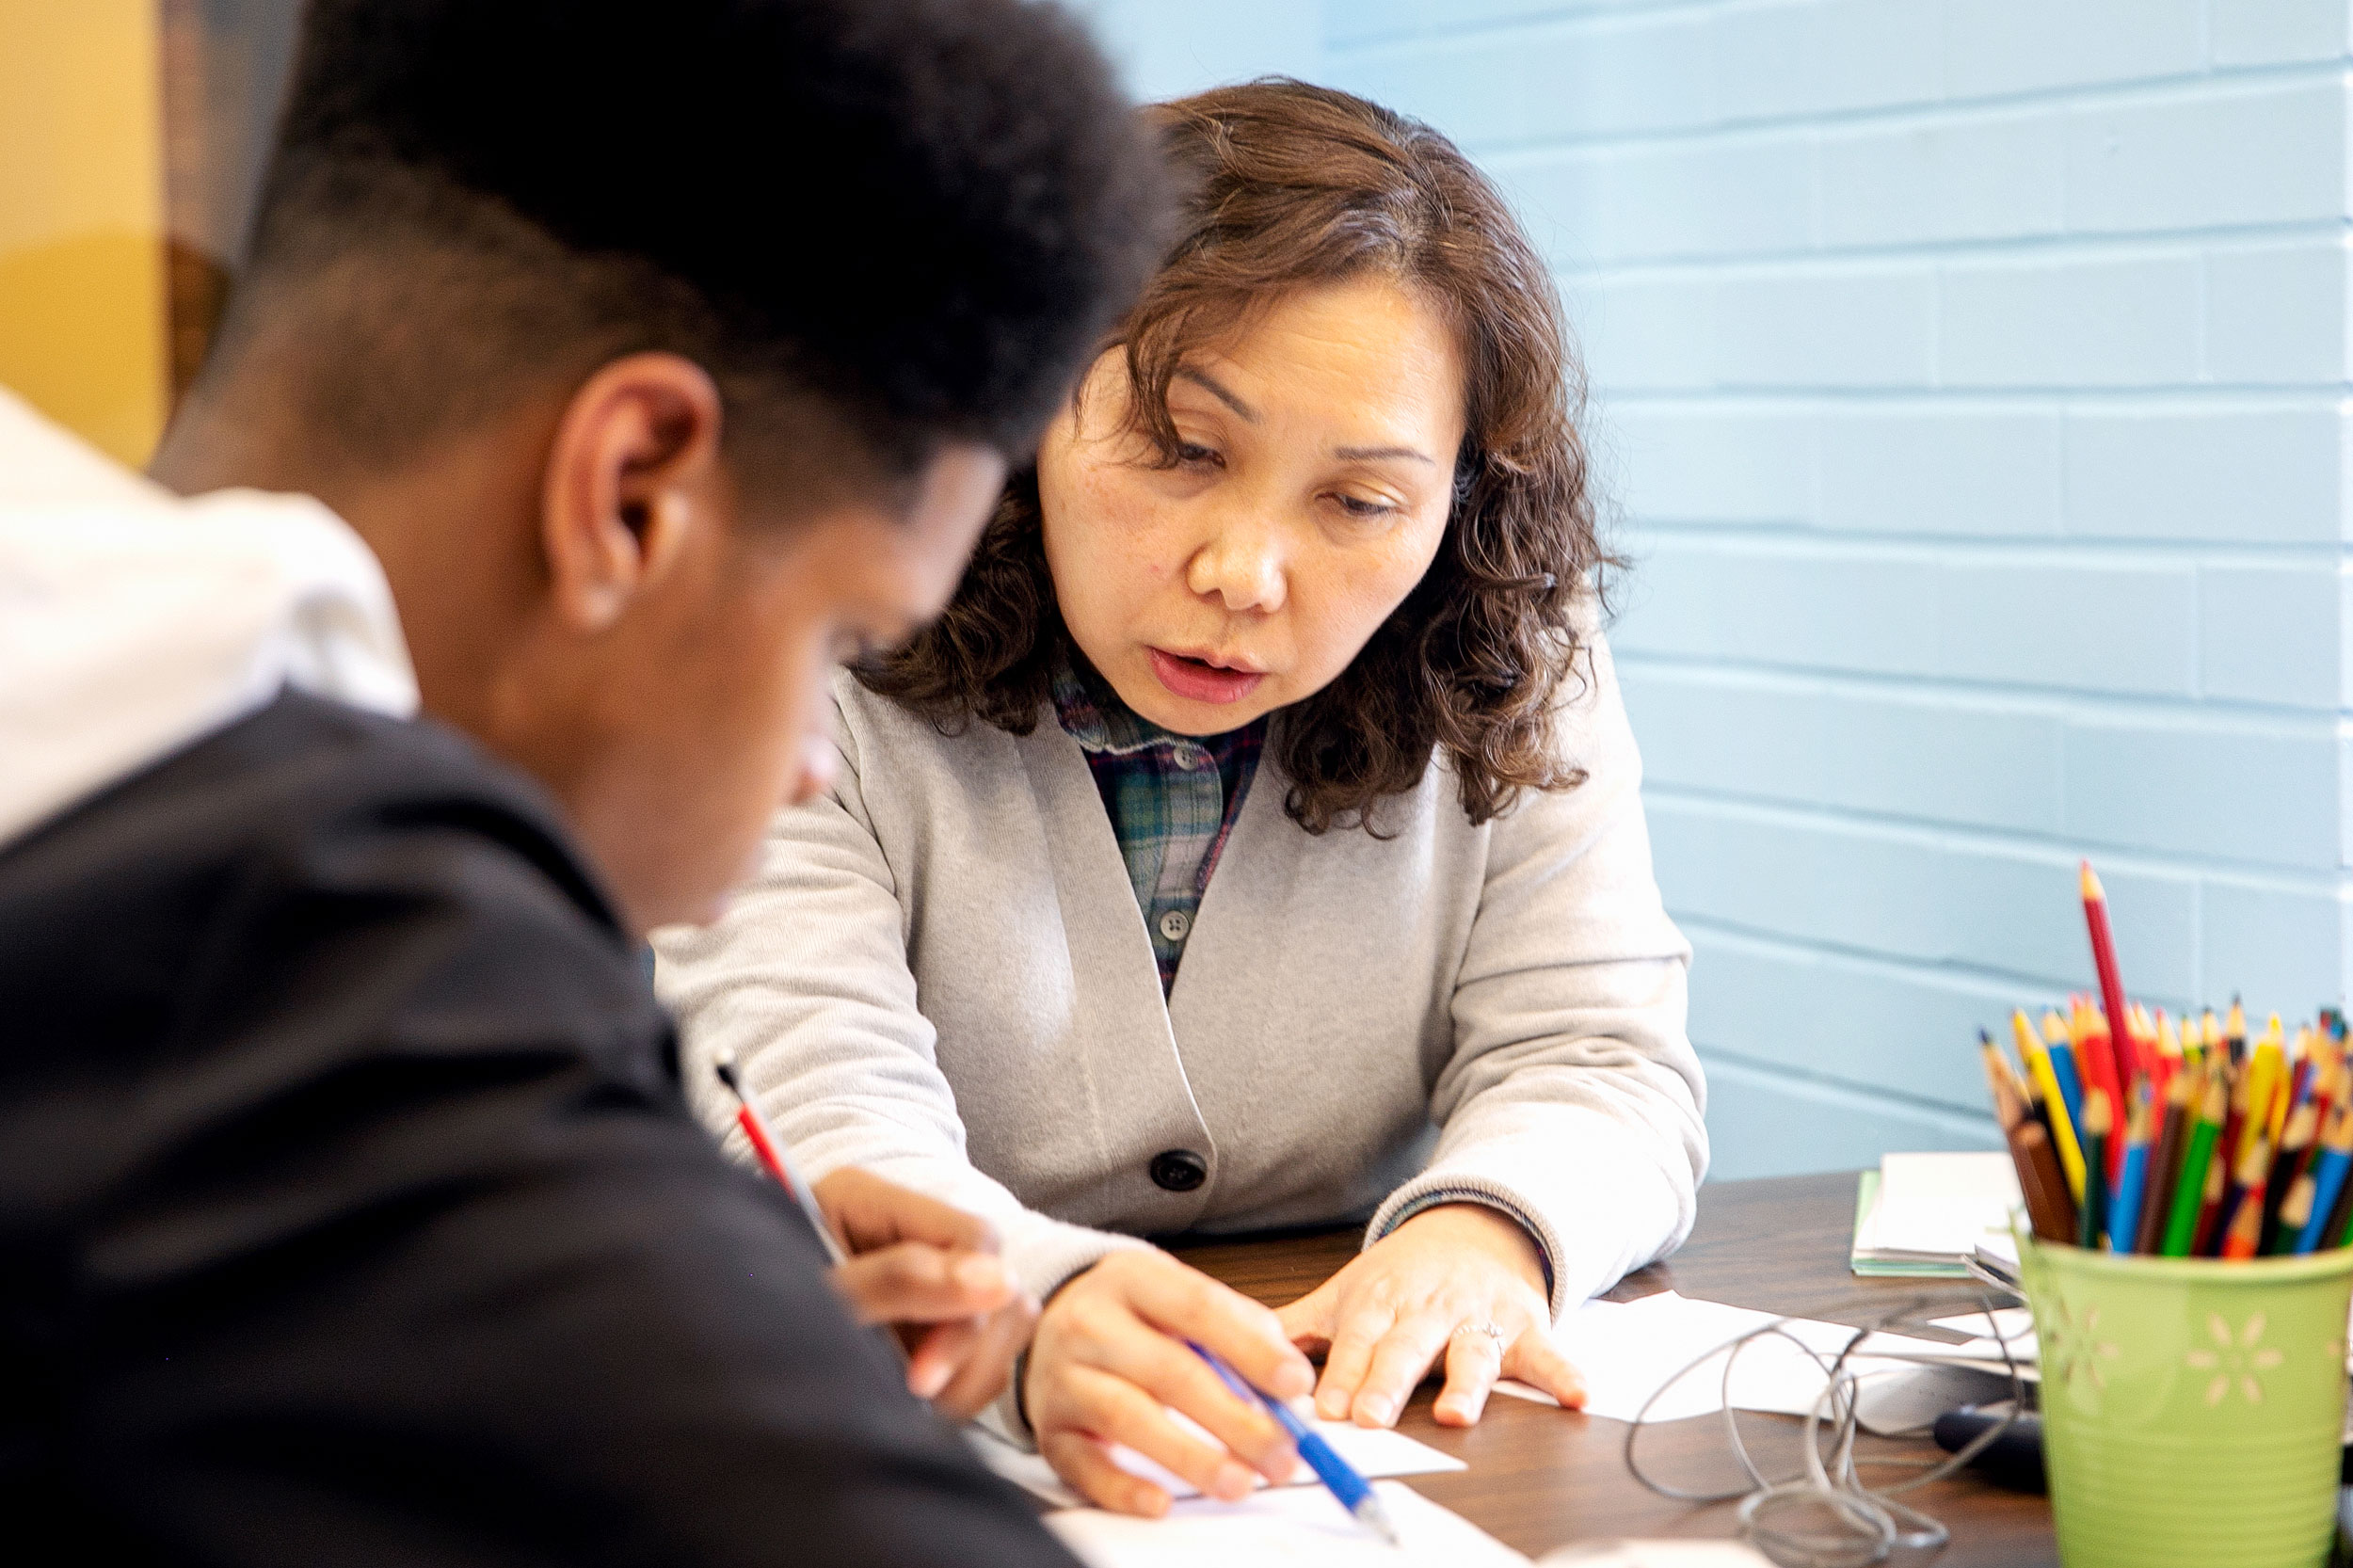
(901, 222)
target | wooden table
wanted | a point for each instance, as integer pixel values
(1540, 1476)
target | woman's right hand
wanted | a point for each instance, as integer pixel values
(1109, 1362)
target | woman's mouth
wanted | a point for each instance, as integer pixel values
(1198, 680)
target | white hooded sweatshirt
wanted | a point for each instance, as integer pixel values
(133, 623)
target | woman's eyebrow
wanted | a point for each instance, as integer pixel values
(1244, 410)
(1365, 453)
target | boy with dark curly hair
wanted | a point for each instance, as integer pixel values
(603, 373)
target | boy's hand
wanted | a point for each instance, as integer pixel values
(932, 1272)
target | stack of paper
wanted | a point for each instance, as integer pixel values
(1924, 1214)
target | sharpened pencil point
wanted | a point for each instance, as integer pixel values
(2094, 893)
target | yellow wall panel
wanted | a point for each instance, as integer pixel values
(83, 329)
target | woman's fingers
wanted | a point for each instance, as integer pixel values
(1398, 1361)
(1083, 1463)
(1115, 1410)
(1535, 1361)
(1185, 1303)
(1111, 1339)
(1474, 1359)
(1307, 1321)
(1351, 1357)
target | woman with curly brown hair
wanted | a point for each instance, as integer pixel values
(1256, 841)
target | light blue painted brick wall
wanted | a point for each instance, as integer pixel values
(1971, 379)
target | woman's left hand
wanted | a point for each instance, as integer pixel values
(1461, 1281)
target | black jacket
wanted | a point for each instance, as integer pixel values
(350, 1212)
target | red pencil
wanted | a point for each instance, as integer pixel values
(2111, 979)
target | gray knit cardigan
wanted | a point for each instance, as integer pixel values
(940, 974)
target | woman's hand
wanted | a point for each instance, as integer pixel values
(1433, 1286)
(931, 1271)
(1109, 1362)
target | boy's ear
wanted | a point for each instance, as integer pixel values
(632, 472)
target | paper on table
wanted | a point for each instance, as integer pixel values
(1656, 1554)
(1627, 1351)
(1284, 1524)
(1373, 1451)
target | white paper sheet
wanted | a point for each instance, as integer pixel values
(1656, 1554)
(1373, 1451)
(1282, 1526)
(1627, 1351)
(1939, 1206)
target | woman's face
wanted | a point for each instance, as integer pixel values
(1310, 495)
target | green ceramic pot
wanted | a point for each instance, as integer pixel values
(2193, 1409)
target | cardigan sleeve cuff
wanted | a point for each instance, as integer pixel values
(1433, 1188)
(1599, 1199)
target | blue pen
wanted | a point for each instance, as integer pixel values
(1354, 1492)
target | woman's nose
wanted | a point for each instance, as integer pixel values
(1242, 565)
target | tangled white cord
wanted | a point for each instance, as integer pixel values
(1856, 1526)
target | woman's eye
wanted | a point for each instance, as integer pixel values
(1356, 506)
(1191, 453)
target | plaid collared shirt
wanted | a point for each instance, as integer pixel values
(1172, 800)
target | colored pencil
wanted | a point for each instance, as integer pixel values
(2287, 1166)
(2234, 1033)
(2091, 1218)
(2043, 1072)
(2214, 1203)
(2040, 1180)
(2111, 979)
(2338, 1231)
(2190, 1185)
(2244, 1230)
(2062, 1054)
(2328, 1177)
(2095, 1060)
(772, 1153)
(2124, 1213)
(2294, 1215)
(2238, 1241)
(2165, 1161)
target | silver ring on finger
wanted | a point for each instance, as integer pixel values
(1492, 1329)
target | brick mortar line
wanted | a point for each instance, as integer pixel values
(1895, 1100)
(2032, 991)
(2063, 848)
(1904, 258)
(1893, 116)
(2070, 704)
(2035, 550)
